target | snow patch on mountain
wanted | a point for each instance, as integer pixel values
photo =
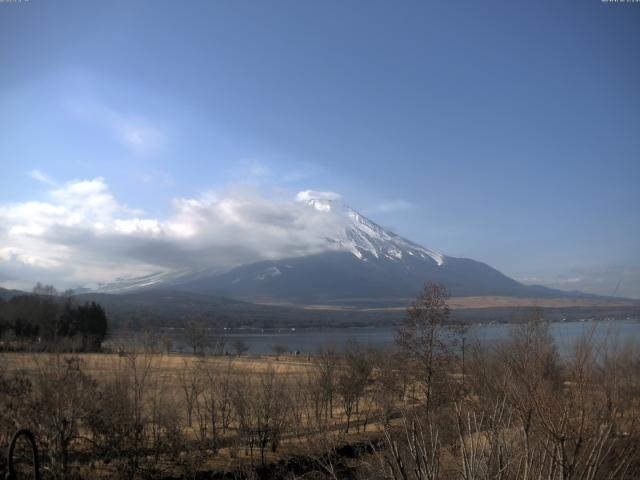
(359, 235)
(120, 284)
(268, 272)
(163, 279)
(330, 225)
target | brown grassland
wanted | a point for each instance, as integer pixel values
(424, 410)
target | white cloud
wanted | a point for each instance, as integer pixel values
(42, 177)
(307, 195)
(83, 234)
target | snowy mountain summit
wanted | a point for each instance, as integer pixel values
(354, 261)
(358, 235)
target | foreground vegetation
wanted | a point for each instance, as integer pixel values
(434, 407)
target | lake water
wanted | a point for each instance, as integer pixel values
(311, 340)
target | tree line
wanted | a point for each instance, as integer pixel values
(47, 318)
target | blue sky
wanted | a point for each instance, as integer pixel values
(508, 132)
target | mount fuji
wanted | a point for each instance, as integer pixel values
(362, 264)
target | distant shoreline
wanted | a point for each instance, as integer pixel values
(490, 302)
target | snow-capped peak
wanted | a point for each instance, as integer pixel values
(307, 195)
(359, 235)
(319, 200)
(335, 226)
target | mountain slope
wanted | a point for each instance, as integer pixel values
(6, 294)
(362, 264)
(342, 278)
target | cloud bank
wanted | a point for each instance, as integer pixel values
(83, 234)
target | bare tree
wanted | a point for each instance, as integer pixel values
(328, 367)
(195, 336)
(353, 379)
(131, 375)
(240, 346)
(414, 449)
(167, 344)
(217, 341)
(45, 290)
(189, 380)
(261, 410)
(389, 384)
(424, 337)
(63, 400)
(279, 349)
(213, 402)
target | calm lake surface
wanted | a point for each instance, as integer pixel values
(311, 340)
(564, 333)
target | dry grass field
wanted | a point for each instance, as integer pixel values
(497, 414)
(169, 366)
(490, 302)
(186, 386)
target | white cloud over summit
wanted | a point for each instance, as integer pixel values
(83, 234)
(307, 195)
